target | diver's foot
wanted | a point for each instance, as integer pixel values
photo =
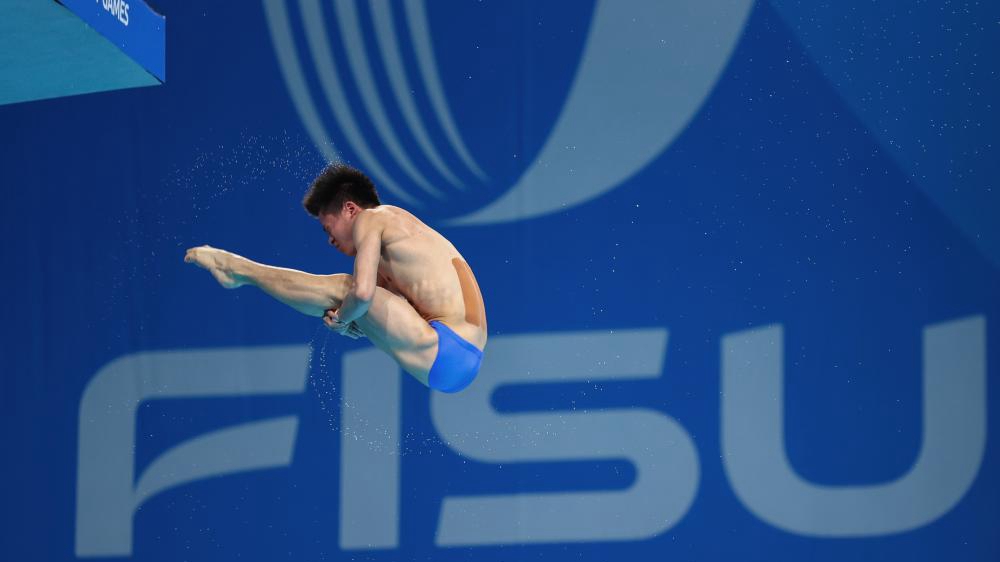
(217, 262)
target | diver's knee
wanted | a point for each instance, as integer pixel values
(338, 285)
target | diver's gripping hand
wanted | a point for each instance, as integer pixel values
(349, 329)
(217, 262)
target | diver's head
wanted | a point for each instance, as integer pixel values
(336, 197)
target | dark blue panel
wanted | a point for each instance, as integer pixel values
(774, 233)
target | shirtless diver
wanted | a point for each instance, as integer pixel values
(412, 294)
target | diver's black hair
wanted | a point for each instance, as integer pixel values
(337, 184)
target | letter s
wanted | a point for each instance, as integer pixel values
(664, 456)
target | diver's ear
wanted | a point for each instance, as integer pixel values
(352, 208)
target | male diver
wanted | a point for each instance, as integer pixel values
(412, 294)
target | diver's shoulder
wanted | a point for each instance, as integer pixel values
(395, 214)
(396, 223)
(380, 214)
(390, 210)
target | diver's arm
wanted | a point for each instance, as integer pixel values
(368, 230)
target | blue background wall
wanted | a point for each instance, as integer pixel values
(837, 180)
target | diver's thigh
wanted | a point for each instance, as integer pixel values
(395, 327)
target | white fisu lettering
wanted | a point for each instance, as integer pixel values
(664, 456)
(954, 439)
(370, 468)
(108, 491)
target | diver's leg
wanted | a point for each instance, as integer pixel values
(395, 327)
(308, 293)
(391, 323)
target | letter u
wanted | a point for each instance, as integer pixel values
(954, 438)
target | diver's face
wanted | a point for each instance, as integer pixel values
(339, 227)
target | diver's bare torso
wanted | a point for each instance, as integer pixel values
(423, 267)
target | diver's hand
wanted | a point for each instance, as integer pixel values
(217, 262)
(348, 329)
(354, 332)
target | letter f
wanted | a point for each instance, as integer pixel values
(107, 494)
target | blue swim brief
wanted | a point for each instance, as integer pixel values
(457, 361)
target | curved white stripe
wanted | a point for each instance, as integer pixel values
(248, 446)
(284, 48)
(319, 46)
(416, 17)
(391, 57)
(357, 60)
(646, 69)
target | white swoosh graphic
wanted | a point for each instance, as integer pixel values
(416, 18)
(393, 60)
(647, 67)
(357, 60)
(284, 48)
(319, 46)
